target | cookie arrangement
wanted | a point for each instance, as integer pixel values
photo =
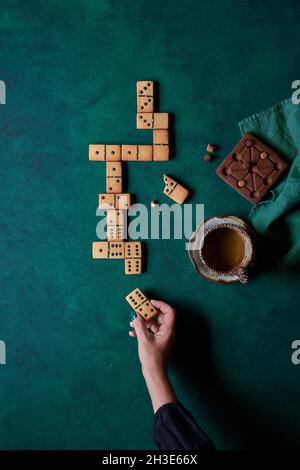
(114, 201)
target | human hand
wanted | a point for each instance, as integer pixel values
(155, 338)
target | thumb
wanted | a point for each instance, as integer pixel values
(140, 328)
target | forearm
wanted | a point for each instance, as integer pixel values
(159, 387)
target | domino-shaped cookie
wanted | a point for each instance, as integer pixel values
(140, 304)
(152, 121)
(114, 201)
(174, 190)
(133, 257)
(102, 152)
(137, 153)
(145, 96)
(108, 250)
(160, 144)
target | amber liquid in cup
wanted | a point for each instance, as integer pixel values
(223, 250)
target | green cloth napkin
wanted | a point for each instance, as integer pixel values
(277, 218)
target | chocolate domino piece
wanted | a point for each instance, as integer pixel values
(251, 168)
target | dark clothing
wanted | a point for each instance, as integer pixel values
(176, 429)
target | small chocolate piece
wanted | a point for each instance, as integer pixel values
(207, 158)
(154, 203)
(251, 168)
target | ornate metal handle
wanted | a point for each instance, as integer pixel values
(243, 276)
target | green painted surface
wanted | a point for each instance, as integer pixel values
(72, 378)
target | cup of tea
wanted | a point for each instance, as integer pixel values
(222, 249)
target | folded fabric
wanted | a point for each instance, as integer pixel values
(277, 217)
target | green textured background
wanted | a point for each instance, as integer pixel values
(72, 378)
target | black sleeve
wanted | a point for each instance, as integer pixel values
(176, 429)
